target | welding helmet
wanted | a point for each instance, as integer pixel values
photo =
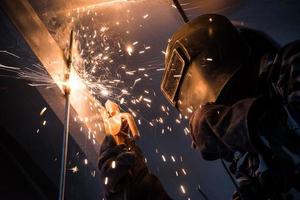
(200, 59)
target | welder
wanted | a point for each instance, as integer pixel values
(241, 92)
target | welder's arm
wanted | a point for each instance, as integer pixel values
(285, 77)
(219, 130)
(125, 175)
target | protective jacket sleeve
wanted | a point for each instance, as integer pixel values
(219, 130)
(124, 173)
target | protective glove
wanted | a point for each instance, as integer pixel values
(125, 175)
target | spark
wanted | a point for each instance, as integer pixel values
(43, 111)
(113, 164)
(9, 53)
(190, 110)
(182, 189)
(74, 169)
(183, 171)
(147, 100)
(8, 67)
(186, 131)
(93, 173)
(136, 80)
(163, 158)
(44, 123)
(85, 161)
(130, 72)
(106, 181)
(173, 159)
(129, 50)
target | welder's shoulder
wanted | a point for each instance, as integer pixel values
(289, 53)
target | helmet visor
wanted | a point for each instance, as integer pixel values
(201, 84)
(172, 77)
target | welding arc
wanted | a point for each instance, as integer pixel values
(64, 153)
(181, 11)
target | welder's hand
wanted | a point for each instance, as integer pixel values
(124, 173)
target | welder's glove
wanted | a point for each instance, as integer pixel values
(124, 173)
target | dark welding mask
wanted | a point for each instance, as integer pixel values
(201, 58)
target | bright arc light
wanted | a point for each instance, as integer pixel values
(75, 82)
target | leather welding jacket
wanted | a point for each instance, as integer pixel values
(256, 120)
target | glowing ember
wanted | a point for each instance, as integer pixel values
(106, 181)
(113, 164)
(43, 111)
(182, 189)
(85, 161)
(129, 50)
(74, 169)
